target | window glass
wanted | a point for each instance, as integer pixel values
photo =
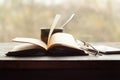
(94, 20)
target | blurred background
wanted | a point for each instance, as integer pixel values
(95, 20)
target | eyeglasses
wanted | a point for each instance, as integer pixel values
(88, 48)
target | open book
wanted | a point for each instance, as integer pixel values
(60, 44)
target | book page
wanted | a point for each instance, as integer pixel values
(63, 39)
(31, 40)
(24, 46)
(53, 26)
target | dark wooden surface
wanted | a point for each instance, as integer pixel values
(59, 68)
(48, 62)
